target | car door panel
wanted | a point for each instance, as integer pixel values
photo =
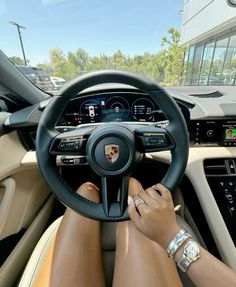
(22, 189)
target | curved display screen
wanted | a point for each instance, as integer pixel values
(213, 132)
(114, 106)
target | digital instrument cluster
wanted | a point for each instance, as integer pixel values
(114, 106)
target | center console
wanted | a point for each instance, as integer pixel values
(221, 177)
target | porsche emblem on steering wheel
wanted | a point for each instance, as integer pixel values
(111, 152)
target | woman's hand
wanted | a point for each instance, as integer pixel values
(155, 218)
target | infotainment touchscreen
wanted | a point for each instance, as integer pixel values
(213, 132)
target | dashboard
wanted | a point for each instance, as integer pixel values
(136, 106)
(131, 106)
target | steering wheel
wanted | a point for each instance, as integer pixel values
(112, 149)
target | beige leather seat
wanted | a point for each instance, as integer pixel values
(37, 271)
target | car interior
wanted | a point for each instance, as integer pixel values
(184, 137)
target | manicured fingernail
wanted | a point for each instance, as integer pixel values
(129, 200)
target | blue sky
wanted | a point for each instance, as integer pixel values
(97, 26)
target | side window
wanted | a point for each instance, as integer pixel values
(206, 63)
(229, 70)
(189, 65)
(218, 62)
(184, 73)
(197, 64)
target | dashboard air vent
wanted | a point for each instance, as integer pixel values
(219, 166)
(215, 94)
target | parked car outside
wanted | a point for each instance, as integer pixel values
(37, 76)
(57, 82)
(210, 81)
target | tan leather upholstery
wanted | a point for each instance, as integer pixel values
(37, 271)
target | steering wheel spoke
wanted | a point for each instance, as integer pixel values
(114, 204)
(153, 139)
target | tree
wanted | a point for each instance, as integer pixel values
(82, 60)
(164, 66)
(58, 62)
(118, 60)
(77, 62)
(174, 54)
(17, 60)
(62, 67)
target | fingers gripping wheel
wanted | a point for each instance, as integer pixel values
(112, 149)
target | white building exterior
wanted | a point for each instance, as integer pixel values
(203, 19)
(209, 33)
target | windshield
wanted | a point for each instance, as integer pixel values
(173, 42)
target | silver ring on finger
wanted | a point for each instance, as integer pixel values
(138, 201)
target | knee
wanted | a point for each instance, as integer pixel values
(89, 191)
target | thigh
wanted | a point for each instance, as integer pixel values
(141, 262)
(77, 252)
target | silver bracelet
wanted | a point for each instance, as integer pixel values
(173, 240)
(177, 241)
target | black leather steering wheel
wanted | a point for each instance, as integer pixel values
(112, 149)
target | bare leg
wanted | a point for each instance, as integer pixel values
(139, 261)
(77, 257)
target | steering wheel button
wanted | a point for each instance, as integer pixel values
(68, 160)
(69, 144)
(77, 160)
(76, 145)
(62, 145)
(154, 141)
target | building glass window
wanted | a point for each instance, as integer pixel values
(186, 53)
(189, 65)
(211, 63)
(229, 70)
(197, 64)
(215, 78)
(206, 63)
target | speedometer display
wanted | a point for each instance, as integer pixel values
(117, 109)
(142, 110)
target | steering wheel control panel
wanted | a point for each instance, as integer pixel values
(221, 177)
(213, 132)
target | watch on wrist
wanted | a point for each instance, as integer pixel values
(191, 254)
